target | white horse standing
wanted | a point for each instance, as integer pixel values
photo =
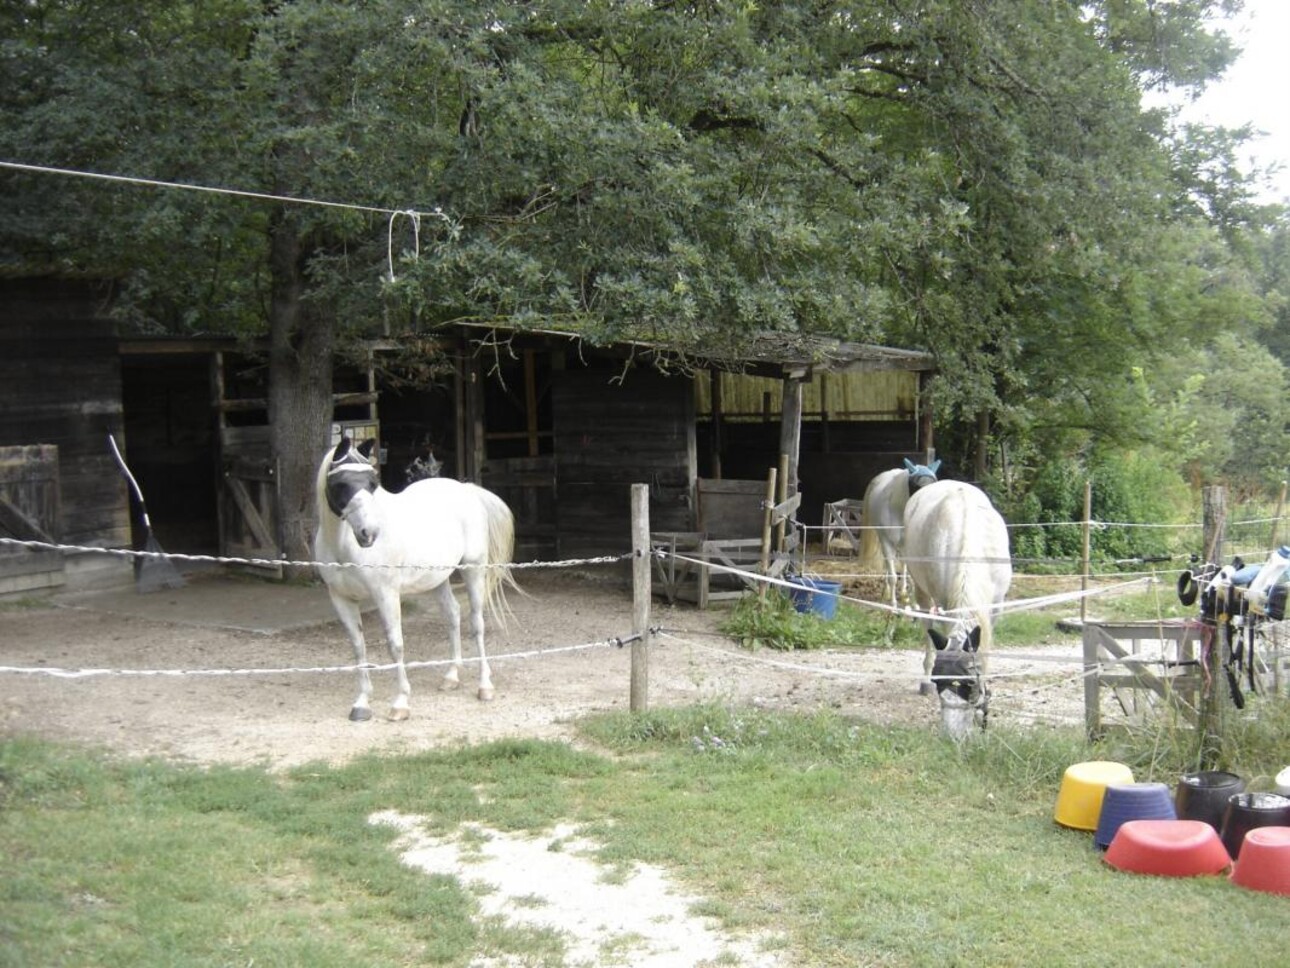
(408, 542)
(958, 555)
(882, 522)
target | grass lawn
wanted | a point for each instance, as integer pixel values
(854, 844)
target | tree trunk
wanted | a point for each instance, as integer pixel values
(982, 446)
(302, 338)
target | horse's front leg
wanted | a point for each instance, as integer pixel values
(351, 617)
(452, 613)
(391, 611)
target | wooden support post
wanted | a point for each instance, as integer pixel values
(780, 497)
(461, 461)
(641, 597)
(478, 426)
(714, 381)
(926, 434)
(790, 430)
(765, 530)
(825, 440)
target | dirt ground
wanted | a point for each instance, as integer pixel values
(228, 670)
(552, 664)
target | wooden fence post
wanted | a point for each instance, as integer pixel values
(1088, 527)
(641, 594)
(1276, 521)
(1215, 698)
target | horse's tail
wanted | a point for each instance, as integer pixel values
(501, 552)
(871, 558)
(882, 497)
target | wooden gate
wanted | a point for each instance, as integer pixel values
(1145, 665)
(29, 511)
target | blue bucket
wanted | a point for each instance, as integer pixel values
(817, 596)
(1123, 802)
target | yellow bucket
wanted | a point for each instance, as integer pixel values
(1079, 801)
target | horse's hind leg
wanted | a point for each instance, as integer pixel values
(475, 583)
(352, 618)
(452, 612)
(892, 567)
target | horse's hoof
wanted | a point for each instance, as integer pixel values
(399, 715)
(486, 694)
(926, 688)
(448, 685)
(360, 714)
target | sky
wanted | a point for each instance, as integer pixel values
(1256, 89)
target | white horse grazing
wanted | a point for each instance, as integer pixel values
(882, 522)
(957, 552)
(408, 542)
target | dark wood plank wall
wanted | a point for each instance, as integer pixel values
(62, 378)
(831, 469)
(610, 435)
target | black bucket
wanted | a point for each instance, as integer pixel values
(1204, 795)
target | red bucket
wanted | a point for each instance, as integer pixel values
(1169, 848)
(1265, 861)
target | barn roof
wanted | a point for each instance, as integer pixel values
(763, 354)
(780, 354)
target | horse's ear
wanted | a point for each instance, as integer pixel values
(910, 465)
(973, 640)
(935, 465)
(366, 447)
(341, 449)
(938, 640)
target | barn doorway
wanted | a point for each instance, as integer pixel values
(170, 447)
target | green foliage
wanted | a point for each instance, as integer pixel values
(1134, 487)
(773, 622)
(679, 172)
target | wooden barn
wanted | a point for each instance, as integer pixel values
(59, 484)
(558, 428)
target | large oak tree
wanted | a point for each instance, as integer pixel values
(976, 178)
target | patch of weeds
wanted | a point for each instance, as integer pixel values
(617, 948)
(709, 742)
(773, 623)
(22, 604)
(473, 839)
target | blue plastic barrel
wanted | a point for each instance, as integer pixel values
(816, 596)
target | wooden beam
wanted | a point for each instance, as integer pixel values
(714, 383)
(790, 431)
(20, 525)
